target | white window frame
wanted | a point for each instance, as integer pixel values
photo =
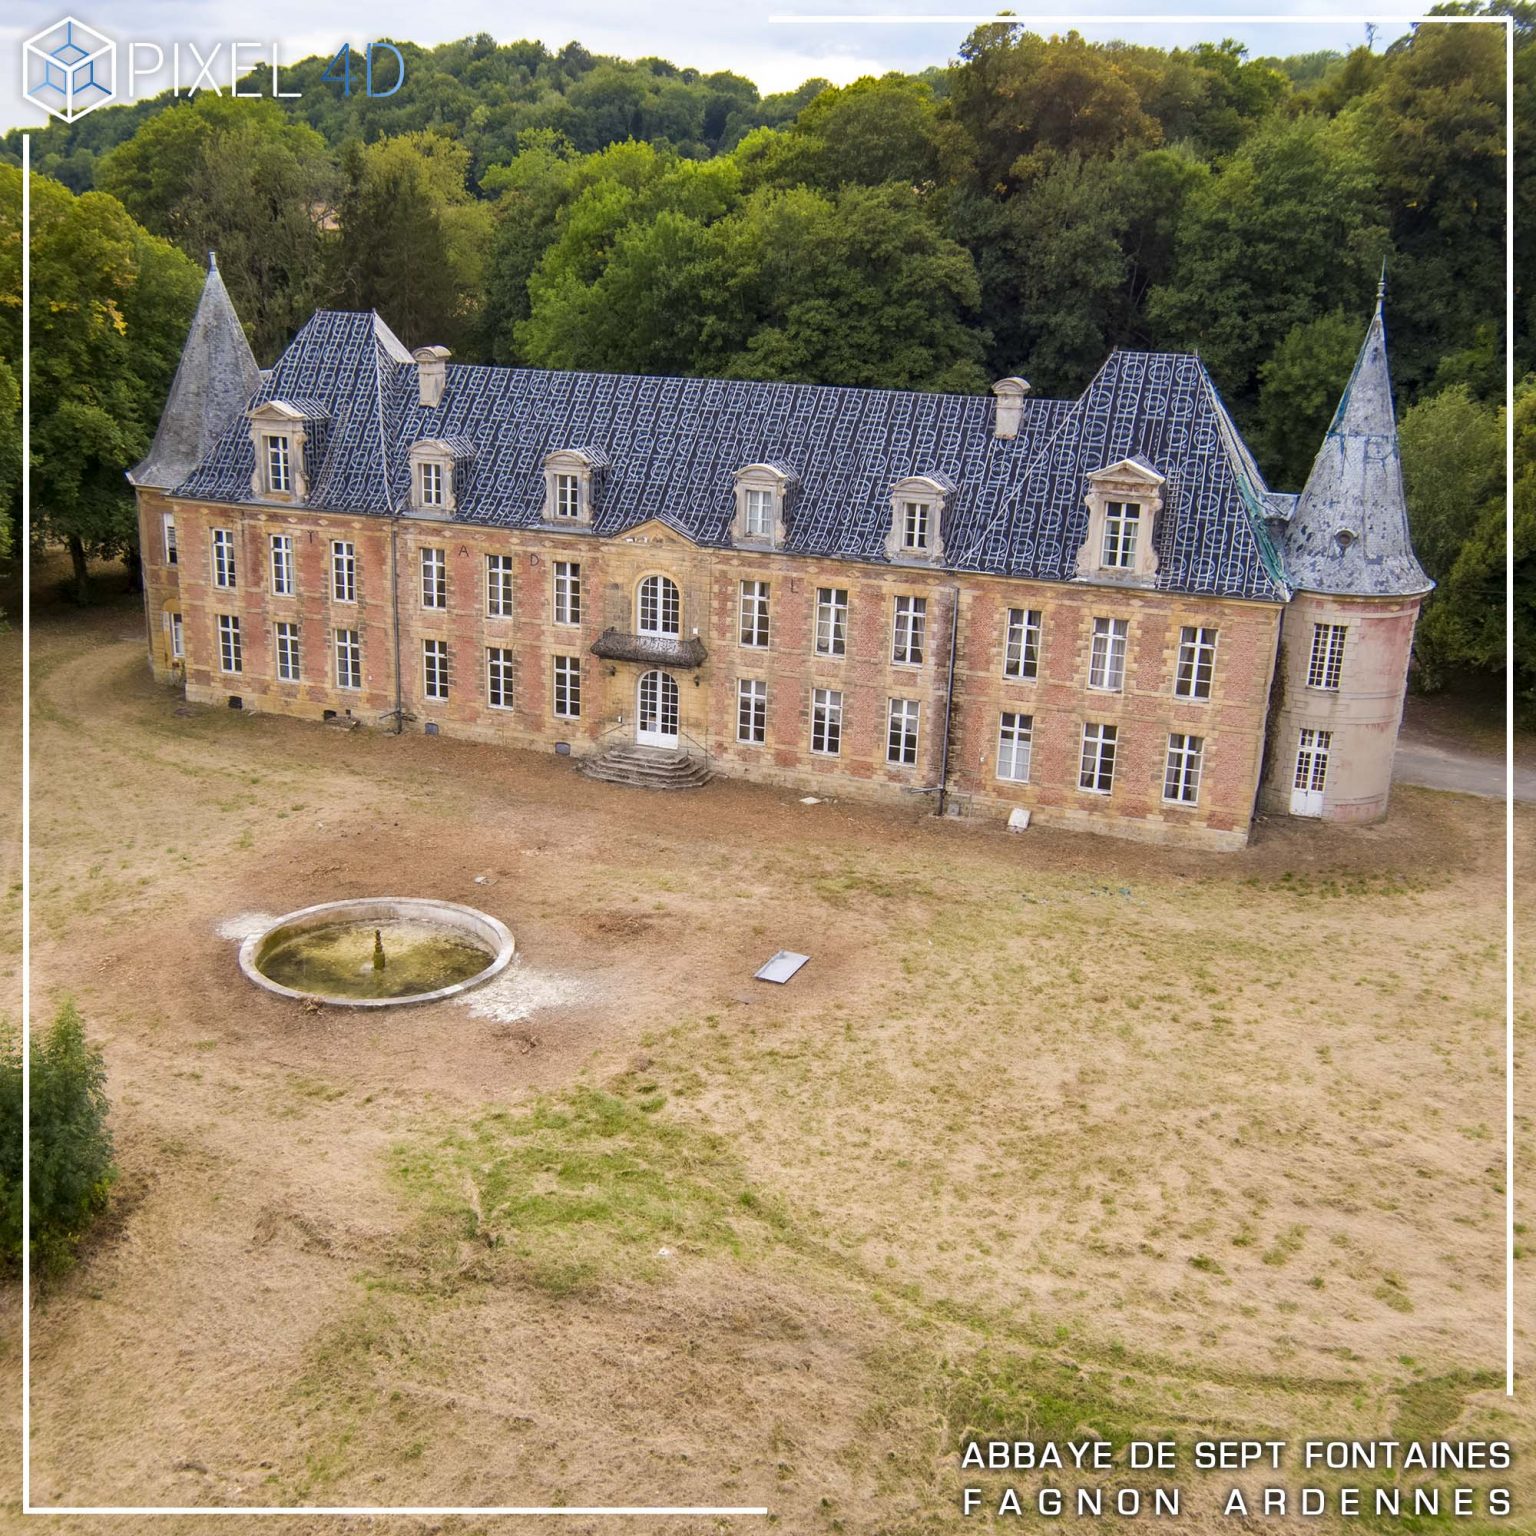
(1313, 749)
(1122, 535)
(751, 711)
(565, 599)
(1015, 746)
(1021, 644)
(434, 670)
(347, 654)
(499, 677)
(916, 525)
(658, 599)
(831, 621)
(231, 655)
(1106, 657)
(1196, 669)
(168, 535)
(909, 624)
(285, 651)
(1183, 769)
(282, 565)
(566, 698)
(752, 631)
(277, 462)
(903, 727)
(1325, 666)
(498, 586)
(757, 508)
(434, 577)
(224, 559)
(343, 571)
(1096, 767)
(826, 722)
(178, 639)
(565, 488)
(433, 488)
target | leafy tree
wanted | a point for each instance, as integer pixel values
(111, 309)
(1299, 390)
(72, 1169)
(414, 242)
(1287, 230)
(237, 177)
(10, 458)
(1453, 470)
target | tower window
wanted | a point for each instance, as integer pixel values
(1327, 660)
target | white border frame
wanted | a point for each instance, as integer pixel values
(1073, 20)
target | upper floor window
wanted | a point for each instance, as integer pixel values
(759, 514)
(1021, 651)
(432, 484)
(910, 621)
(498, 586)
(567, 496)
(434, 470)
(762, 499)
(1106, 661)
(754, 613)
(567, 592)
(224, 557)
(282, 565)
(434, 578)
(659, 609)
(343, 571)
(831, 621)
(1122, 528)
(168, 524)
(278, 449)
(917, 506)
(1123, 501)
(1197, 662)
(1327, 660)
(572, 477)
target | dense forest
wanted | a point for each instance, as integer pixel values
(1023, 210)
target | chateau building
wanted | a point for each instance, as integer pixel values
(1094, 609)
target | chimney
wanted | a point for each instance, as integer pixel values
(431, 372)
(1010, 394)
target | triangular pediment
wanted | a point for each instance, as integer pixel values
(1128, 469)
(654, 531)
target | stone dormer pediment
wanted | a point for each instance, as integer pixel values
(1135, 470)
(654, 531)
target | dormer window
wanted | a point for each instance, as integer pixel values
(917, 510)
(280, 429)
(1122, 525)
(572, 480)
(762, 497)
(1123, 502)
(435, 466)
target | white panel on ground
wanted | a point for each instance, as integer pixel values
(782, 966)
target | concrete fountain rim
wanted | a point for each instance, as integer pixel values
(375, 908)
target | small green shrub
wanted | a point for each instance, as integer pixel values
(72, 1167)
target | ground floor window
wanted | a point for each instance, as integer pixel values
(498, 677)
(1181, 779)
(826, 721)
(1015, 739)
(901, 738)
(1312, 750)
(434, 668)
(349, 659)
(568, 687)
(229, 643)
(178, 645)
(752, 711)
(288, 653)
(1097, 771)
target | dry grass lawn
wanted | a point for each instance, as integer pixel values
(1054, 1134)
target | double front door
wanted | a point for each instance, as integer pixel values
(656, 710)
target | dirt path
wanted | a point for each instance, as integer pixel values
(1464, 770)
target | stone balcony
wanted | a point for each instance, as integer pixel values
(654, 650)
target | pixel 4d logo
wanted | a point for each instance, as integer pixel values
(69, 69)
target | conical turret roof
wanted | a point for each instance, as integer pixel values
(217, 374)
(1348, 534)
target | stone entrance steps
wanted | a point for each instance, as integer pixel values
(646, 768)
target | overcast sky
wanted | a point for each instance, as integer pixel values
(775, 54)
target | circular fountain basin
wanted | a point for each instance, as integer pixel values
(432, 950)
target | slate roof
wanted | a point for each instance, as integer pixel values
(674, 445)
(216, 376)
(1348, 532)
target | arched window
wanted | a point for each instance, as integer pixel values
(659, 609)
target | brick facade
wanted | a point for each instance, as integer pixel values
(970, 610)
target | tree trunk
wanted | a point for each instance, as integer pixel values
(82, 582)
(135, 566)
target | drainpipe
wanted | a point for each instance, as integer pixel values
(949, 701)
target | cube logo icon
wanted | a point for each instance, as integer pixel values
(69, 69)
